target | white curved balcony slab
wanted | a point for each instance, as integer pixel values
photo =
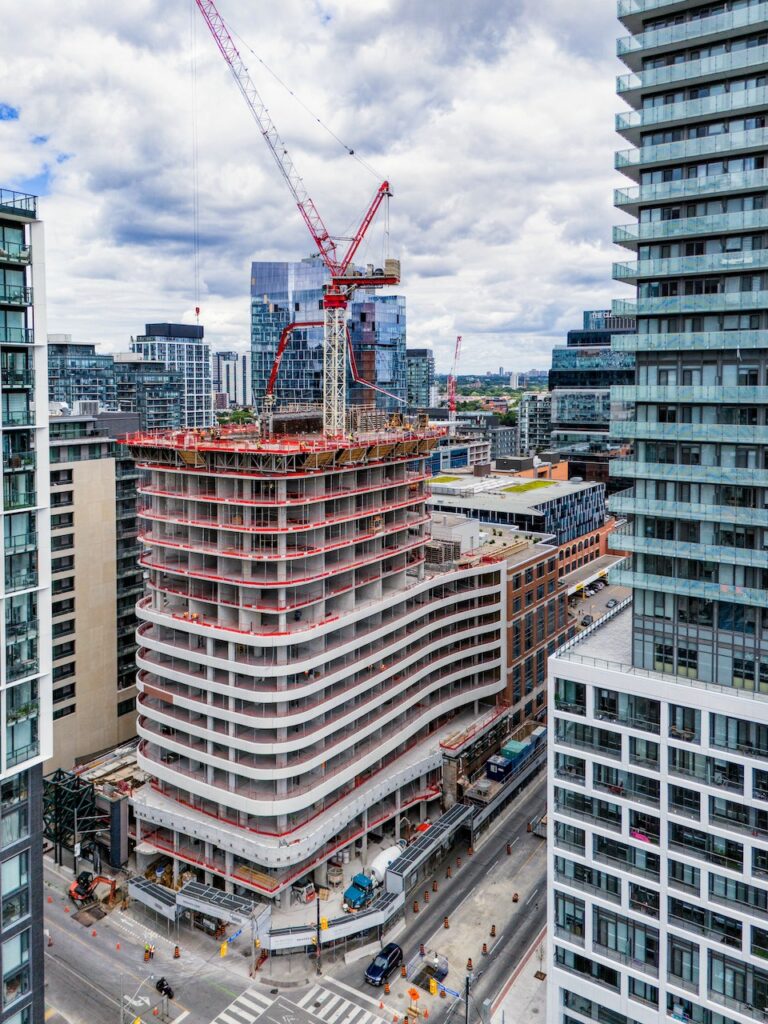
(325, 787)
(312, 736)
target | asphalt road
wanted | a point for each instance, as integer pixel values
(84, 975)
(491, 973)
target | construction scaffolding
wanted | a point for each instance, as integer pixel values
(71, 820)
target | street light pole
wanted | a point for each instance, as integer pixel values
(466, 1000)
(318, 967)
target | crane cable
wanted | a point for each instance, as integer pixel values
(195, 158)
(312, 114)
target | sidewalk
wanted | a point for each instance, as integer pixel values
(524, 997)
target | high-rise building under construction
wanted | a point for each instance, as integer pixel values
(298, 660)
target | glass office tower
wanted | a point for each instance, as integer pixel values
(25, 606)
(659, 761)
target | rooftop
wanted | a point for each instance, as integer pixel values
(18, 204)
(248, 438)
(497, 494)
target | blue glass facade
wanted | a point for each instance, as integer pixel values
(78, 373)
(282, 293)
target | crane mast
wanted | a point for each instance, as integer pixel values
(343, 281)
(452, 378)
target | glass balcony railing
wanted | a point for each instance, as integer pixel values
(15, 252)
(728, 395)
(685, 188)
(688, 227)
(687, 110)
(719, 263)
(706, 67)
(13, 500)
(633, 469)
(697, 29)
(728, 142)
(692, 341)
(628, 504)
(690, 588)
(15, 295)
(22, 667)
(22, 204)
(20, 580)
(16, 378)
(18, 418)
(702, 552)
(727, 302)
(16, 461)
(17, 542)
(712, 432)
(624, 307)
(16, 335)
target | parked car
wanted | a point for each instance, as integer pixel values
(612, 603)
(587, 620)
(383, 964)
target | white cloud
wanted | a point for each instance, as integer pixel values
(492, 121)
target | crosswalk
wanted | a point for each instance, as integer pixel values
(246, 1009)
(335, 1009)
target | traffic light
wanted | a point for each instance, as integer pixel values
(323, 924)
(314, 940)
(257, 943)
(433, 986)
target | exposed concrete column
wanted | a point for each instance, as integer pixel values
(364, 848)
(397, 814)
(229, 867)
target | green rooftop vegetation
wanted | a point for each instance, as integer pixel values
(532, 485)
(444, 479)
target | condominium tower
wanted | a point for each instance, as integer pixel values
(659, 767)
(297, 658)
(25, 606)
(182, 347)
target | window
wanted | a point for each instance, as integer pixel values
(15, 957)
(125, 707)
(63, 712)
(687, 662)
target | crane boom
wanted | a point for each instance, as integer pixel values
(343, 282)
(325, 244)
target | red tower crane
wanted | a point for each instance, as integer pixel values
(452, 378)
(344, 278)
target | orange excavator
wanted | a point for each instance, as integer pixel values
(84, 886)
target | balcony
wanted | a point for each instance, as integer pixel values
(632, 161)
(626, 958)
(634, 470)
(631, 87)
(705, 395)
(15, 252)
(17, 542)
(691, 588)
(15, 295)
(18, 460)
(16, 336)
(715, 433)
(19, 204)
(634, 48)
(631, 199)
(690, 342)
(13, 378)
(719, 263)
(18, 417)
(15, 500)
(20, 580)
(630, 235)
(701, 552)
(631, 123)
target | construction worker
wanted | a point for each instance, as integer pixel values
(151, 951)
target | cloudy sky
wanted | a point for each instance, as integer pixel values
(491, 118)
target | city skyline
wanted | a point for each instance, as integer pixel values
(120, 216)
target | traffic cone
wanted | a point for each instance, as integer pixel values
(485, 949)
(434, 885)
(386, 988)
(117, 946)
(458, 862)
(146, 956)
(426, 896)
(422, 950)
(470, 851)
(493, 931)
(50, 899)
(66, 910)
(176, 952)
(403, 971)
(415, 906)
(445, 923)
(469, 964)
(509, 849)
(425, 1013)
(381, 1005)
(93, 933)
(448, 871)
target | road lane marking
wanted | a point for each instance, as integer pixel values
(531, 896)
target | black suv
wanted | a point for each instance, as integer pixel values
(387, 961)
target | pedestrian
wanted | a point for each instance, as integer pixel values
(151, 951)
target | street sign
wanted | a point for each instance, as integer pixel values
(76, 850)
(235, 935)
(450, 992)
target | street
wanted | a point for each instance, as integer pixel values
(85, 972)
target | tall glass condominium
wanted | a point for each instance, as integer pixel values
(25, 605)
(658, 849)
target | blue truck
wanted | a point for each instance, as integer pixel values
(360, 893)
